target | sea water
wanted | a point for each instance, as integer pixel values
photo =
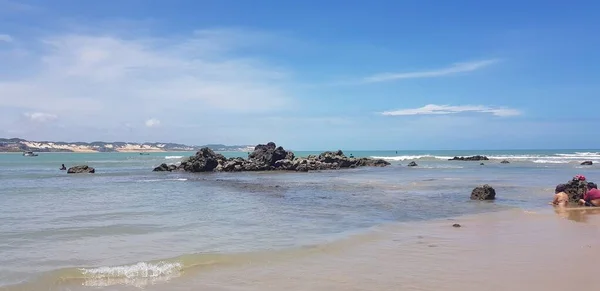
(128, 226)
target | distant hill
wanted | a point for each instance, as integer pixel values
(20, 145)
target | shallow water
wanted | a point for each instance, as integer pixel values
(127, 226)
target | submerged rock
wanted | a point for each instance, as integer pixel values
(472, 158)
(82, 169)
(505, 162)
(485, 192)
(587, 163)
(412, 164)
(269, 157)
(456, 225)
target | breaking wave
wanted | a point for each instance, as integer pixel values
(559, 158)
(139, 274)
(173, 157)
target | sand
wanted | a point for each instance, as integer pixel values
(512, 250)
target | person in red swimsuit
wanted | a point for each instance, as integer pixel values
(592, 196)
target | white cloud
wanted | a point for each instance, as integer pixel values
(432, 109)
(40, 116)
(152, 122)
(120, 80)
(453, 69)
(5, 38)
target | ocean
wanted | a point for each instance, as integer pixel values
(126, 227)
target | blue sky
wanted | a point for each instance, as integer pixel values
(305, 74)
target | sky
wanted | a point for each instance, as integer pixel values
(308, 75)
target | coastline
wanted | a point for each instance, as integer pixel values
(508, 250)
(514, 249)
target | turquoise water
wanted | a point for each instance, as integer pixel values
(126, 221)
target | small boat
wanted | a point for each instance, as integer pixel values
(30, 154)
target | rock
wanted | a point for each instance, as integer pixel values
(485, 192)
(473, 158)
(83, 169)
(412, 164)
(587, 163)
(205, 160)
(505, 162)
(162, 168)
(165, 168)
(456, 225)
(264, 156)
(482, 164)
(576, 188)
(268, 157)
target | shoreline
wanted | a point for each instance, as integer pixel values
(487, 244)
(504, 250)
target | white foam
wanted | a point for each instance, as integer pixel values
(159, 180)
(417, 157)
(550, 162)
(173, 157)
(139, 270)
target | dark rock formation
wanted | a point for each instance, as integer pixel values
(165, 168)
(83, 169)
(269, 157)
(456, 225)
(473, 158)
(587, 163)
(205, 160)
(576, 188)
(485, 192)
(505, 162)
(482, 164)
(412, 164)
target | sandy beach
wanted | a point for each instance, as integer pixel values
(511, 250)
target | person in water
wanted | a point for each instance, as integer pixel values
(592, 196)
(62, 168)
(560, 197)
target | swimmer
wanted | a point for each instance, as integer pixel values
(560, 197)
(592, 196)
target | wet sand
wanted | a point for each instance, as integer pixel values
(510, 250)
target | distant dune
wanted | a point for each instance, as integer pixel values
(21, 145)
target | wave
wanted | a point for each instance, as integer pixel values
(139, 270)
(418, 157)
(551, 162)
(173, 157)
(159, 180)
(545, 159)
(139, 274)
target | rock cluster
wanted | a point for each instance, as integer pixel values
(587, 163)
(83, 169)
(576, 188)
(485, 192)
(269, 157)
(412, 164)
(505, 162)
(473, 158)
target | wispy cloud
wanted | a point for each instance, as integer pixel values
(5, 38)
(433, 109)
(40, 117)
(152, 122)
(451, 70)
(203, 72)
(16, 6)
